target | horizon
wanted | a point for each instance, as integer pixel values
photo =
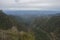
(30, 12)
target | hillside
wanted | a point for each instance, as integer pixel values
(31, 28)
(9, 27)
(5, 21)
(47, 28)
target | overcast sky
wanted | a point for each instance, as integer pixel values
(30, 4)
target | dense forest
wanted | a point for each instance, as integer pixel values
(37, 28)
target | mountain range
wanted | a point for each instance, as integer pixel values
(30, 12)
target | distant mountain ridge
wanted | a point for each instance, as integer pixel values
(31, 12)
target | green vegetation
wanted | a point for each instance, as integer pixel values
(5, 21)
(39, 28)
(15, 35)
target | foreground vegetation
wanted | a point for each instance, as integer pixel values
(39, 28)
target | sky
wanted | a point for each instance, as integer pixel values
(29, 4)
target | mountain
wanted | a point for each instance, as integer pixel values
(28, 15)
(32, 25)
(5, 21)
(8, 21)
(30, 12)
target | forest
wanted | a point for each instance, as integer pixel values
(37, 28)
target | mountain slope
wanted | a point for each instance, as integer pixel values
(5, 21)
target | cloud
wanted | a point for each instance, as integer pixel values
(30, 4)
